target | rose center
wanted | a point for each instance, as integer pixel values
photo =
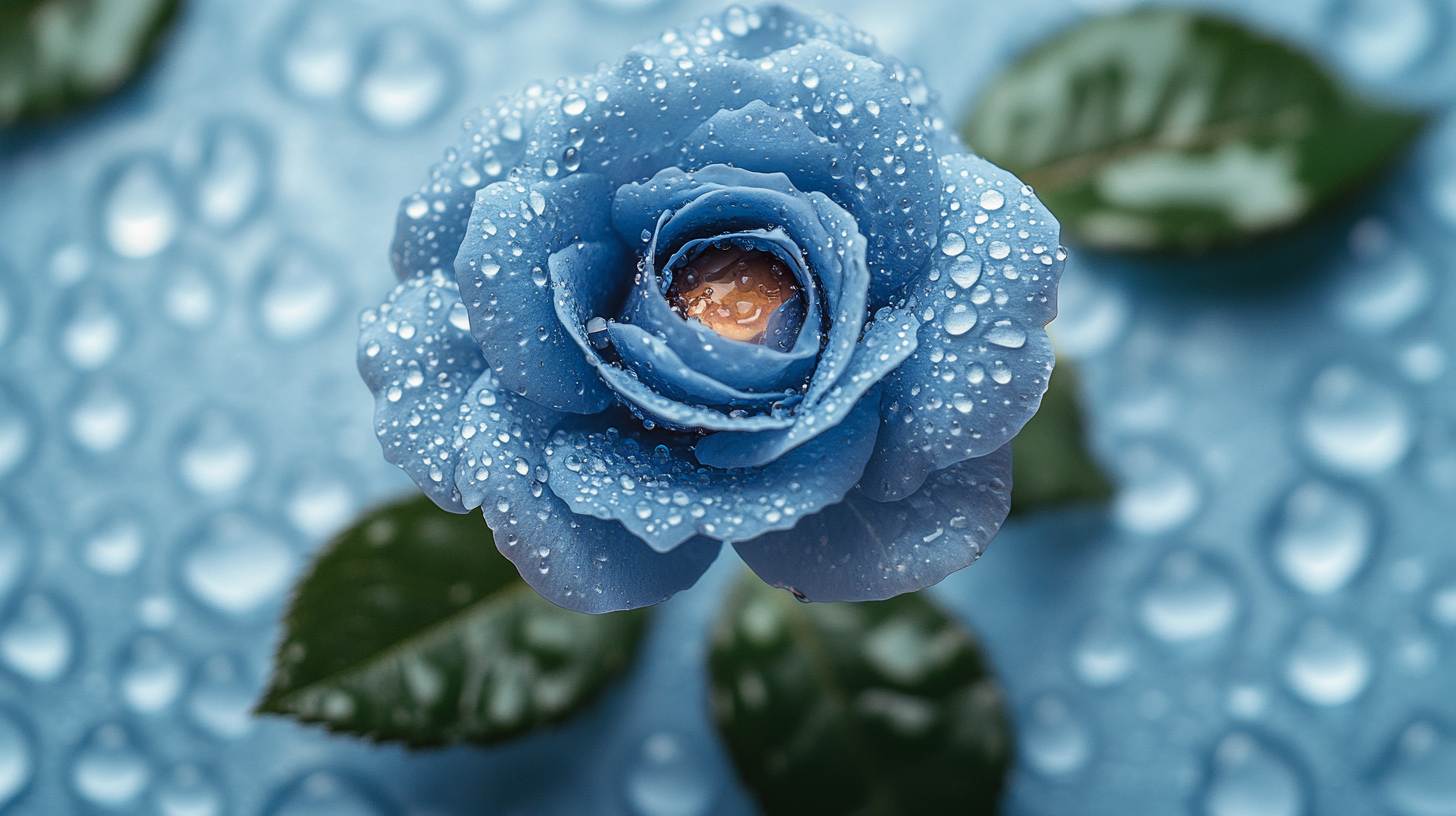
(732, 290)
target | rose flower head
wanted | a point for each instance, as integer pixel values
(743, 286)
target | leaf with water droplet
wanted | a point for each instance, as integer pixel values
(1050, 457)
(59, 54)
(881, 707)
(1167, 129)
(412, 627)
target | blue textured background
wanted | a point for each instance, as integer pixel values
(1263, 625)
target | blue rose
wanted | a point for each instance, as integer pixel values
(744, 286)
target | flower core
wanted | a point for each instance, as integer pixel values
(733, 290)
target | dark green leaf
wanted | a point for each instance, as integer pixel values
(1170, 129)
(412, 627)
(1051, 464)
(57, 54)
(883, 707)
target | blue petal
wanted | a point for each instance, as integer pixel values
(887, 342)
(431, 222)
(589, 279)
(655, 364)
(418, 358)
(659, 493)
(866, 550)
(577, 562)
(763, 139)
(503, 273)
(676, 415)
(633, 128)
(984, 356)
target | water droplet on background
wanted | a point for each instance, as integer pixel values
(91, 330)
(102, 418)
(139, 212)
(109, 771)
(320, 505)
(17, 759)
(1054, 741)
(190, 295)
(221, 700)
(297, 293)
(216, 458)
(1188, 600)
(150, 676)
(1421, 777)
(407, 80)
(1251, 780)
(488, 9)
(237, 565)
(1326, 666)
(1354, 424)
(1382, 39)
(1157, 494)
(1103, 656)
(1323, 537)
(318, 57)
(39, 641)
(322, 793)
(668, 778)
(115, 545)
(230, 184)
(187, 792)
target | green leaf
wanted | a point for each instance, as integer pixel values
(1051, 464)
(882, 707)
(1169, 129)
(58, 54)
(412, 627)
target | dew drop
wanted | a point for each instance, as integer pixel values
(1380, 39)
(231, 181)
(39, 641)
(110, 771)
(17, 759)
(237, 565)
(318, 60)
(139, 210)
(1421, 777)
(407, 80)
(573, 105)
(1188, 601)
(1250, 780)
(215, 457)
(115, 546)
(1157, 494)
(668, 778)
(992, 200)
(322, 792)
(190, 297)
(998, 250)
(1323, 536)
(150, 677)
(1354, 424)
(102, 419)
(1055, 742)
(187, 792)
(960, 319)
(221, 699)
(1325, 666)
(966, 271)
(297, 294)
(1103, 656)
(16, 433)
(953, 244)
(92, 332)
(1004, 334)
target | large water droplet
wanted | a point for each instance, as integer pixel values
(1323, 537)
(326, 794)
(1157, 495)
(1251, 780)
(233, 177)
(1381, 39)
(320, 505)
(959, 319)
(317, 59)
(1387, 284)
(1326, 666)
(115, 545)
(297, 293)
(1421, 777)
(407, 80)
(39, 640)
(102, 418)
(17, 759)
(110, 771)
(1355, 424)
(1055, 742)
(1188, 600)
(139, 213)
(92, 330)
(150, 676)
(668, 778)
(221, 701)
(216, 457)
(188, 792)
(237, 565)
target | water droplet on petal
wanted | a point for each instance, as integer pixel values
(998, 250)
(960, 319)
(953, 243)
(992, 200)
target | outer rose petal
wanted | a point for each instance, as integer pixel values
(866, 550)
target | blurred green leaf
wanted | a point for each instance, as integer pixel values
(58, 54)
(882, 707)
(1169, 129)
(1051, 463)
(412, 627)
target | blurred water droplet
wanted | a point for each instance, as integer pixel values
(17, 759)
(232, 180)
(317, 59)
(488, 9)
(1388, 282)
(320, 505)
(15, 549)
(627, 6)
(92, 331)
(215, 456)
(109, 771)
(1091, 314)
(190, 296)
(102, 418)
(187, 792)
(150, 677)
(1250, 780)
(407, 80)
(16, 434)
(297, 293)
(1326, 666)
(326, 794)
(39, 641)
(1157, 495)
(1103, 656)
(1054, 740)
(668, 779)
(1354, 424)
(139, 213)
(221, 700)
(1323, 537)
(1188, 600)
(1421, 777)
(238, 565)
(114, 546)
(1381, 39)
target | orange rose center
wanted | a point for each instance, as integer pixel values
(732, 290)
